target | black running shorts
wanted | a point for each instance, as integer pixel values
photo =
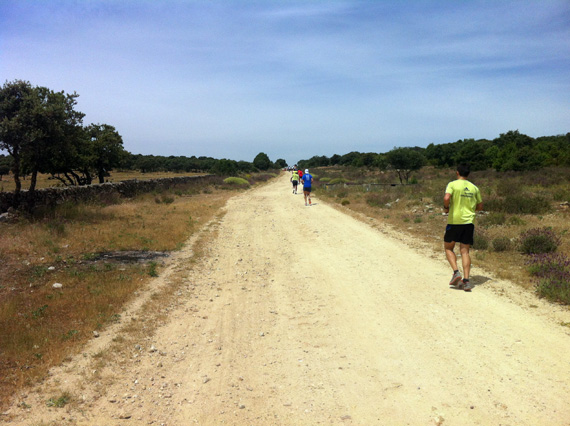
(306, 189)
(459, 234)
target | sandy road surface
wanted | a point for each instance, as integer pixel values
(306, 316)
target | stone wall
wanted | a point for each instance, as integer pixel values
(51, 197)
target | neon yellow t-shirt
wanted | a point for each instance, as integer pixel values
(464, 198)
(295, 176)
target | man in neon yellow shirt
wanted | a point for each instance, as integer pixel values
(462, 199)
(295, 180)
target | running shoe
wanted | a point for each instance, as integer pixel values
(456, 280)
(467, 285)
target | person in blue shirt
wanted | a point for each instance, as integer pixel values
(307, 183)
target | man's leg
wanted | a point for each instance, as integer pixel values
(465, 259)
(305, 194)
(452, 259)
(450, 254)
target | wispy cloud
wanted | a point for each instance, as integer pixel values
(297, 78)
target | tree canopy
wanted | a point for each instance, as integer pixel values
(511, 151)
(262, 161)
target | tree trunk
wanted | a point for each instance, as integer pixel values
(16, 172)
(34, 181)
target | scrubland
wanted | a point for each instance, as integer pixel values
(524, 227)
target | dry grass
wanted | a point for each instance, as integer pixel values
(41, 325)
(45, 181)
(416, 212)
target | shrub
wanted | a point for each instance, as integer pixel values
(561, 194)
(519, 204)
(480, 241)
(538, 240)
(345, 202)
(59, 402)
(515, 221)
(494, 218)
(338, 180)
(378, 199)
(501, 244)
(553, 276)
(236, 181)
(506, 187)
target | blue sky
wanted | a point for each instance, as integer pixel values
(293, 79)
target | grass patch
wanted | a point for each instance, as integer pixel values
(60, 401)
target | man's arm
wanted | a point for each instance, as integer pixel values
(479, 207)
(446, 201)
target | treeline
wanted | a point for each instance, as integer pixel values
(510, 151)
(155, 163)
(43, 133)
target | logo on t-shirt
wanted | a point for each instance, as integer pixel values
(467, 193)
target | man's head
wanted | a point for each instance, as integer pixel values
(306, 171)
(463, 170)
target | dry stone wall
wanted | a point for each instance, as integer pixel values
(105, 192)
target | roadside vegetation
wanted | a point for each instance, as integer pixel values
(523, 234)
(60, 280)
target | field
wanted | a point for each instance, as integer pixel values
(40, 324)
(45, 181)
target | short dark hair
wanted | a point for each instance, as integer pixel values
(464, 169)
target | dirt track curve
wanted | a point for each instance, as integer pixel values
(306, 316)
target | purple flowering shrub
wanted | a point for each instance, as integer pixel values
(552, 273)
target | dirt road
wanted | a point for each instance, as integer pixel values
(305, 316)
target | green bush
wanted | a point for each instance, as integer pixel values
(480, 241)
(538, 241)
(501, 244)
(236, 181)
(345, 202)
